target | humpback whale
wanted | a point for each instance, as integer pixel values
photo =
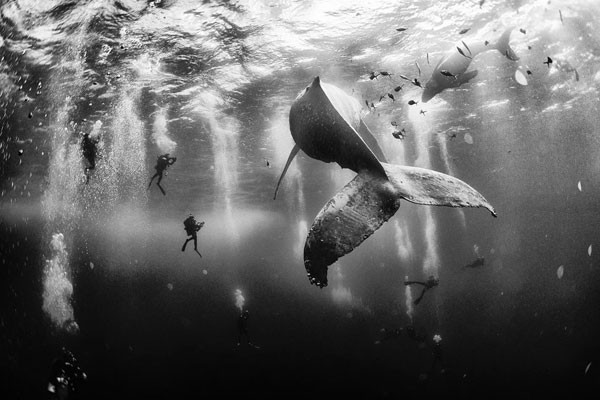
(325, 123)
(450, 71)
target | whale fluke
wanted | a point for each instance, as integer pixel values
(368, 201)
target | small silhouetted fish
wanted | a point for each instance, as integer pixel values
(427, 58)
(587, 368)
(561, 17)
(394, 123)
(576, 76)
(463, 31)
(481, 2)
(391, 96)
(397, 88)
(579, 185)
(30, 115)
(461, 52)
(467, 47)
(373, 75)
(447, 73)
(372, 105)
(590, 251)
(548, 62)
(268, 163)
(412, 102)
(529, 72)
(529, 47)
(416, 82)
(367, 103)
(523, 31)
(403, 77)
(418, 68)
(401, 29)
(486, 43)
(422, 112)
(382, 97)
(384, 73)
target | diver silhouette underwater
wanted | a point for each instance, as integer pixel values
(191, 227)
(162, 163)
(242, 325)
(431, 282)
(89, 150)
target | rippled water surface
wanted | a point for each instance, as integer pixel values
(97, 267)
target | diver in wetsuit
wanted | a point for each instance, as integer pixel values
(162, 163)
(88, 148)
(432, 281)
(65, 376)
(191, 227)
(437, 353)
(242, 325)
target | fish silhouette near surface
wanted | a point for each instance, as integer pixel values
(325, 123)
(455, 64)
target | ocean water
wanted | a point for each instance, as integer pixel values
(97, 268)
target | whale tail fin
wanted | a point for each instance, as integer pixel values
(503, 45)
(369, 200)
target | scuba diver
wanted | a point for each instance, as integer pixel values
(191, 227)
(432, 281)
(88, 148)
(242, 325)
(437, 353)
(162, 163)
(479, 261)
(65, 376)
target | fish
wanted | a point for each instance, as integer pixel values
(412, 102)
(401, 29)
(561, 17)
(385, 73)
(416, 82)
(326, 125)
(478, 262)
(481, 2)
(427, 58)
(398, 88)
(523, 31)
(418, 68)
(466, 47)
(462, 53)
(373, 75)
(457, 65)
(404, 77)
(422, 112)
(447, 73)
(548, 62)
(391, 96)
(463, 31)
(529, 72)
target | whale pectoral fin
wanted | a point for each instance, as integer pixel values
(424, 186)
(350, 217)
(464, 78)
(365, 133)
(287, 164)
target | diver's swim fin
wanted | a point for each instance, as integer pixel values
(293, 153)
(364, 204)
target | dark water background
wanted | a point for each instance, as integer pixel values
(212, 83)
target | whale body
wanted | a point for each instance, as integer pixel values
(325, 123)
(455, 64)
